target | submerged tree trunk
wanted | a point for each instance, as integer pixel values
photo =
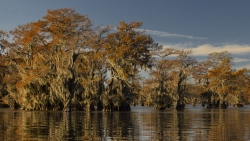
(238, 101)
(180, 105)
(90, 107)
(180, 90)
(115, 97)
(223, 104)
(71, 85)
(99, 106)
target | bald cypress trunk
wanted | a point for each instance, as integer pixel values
(180, 90)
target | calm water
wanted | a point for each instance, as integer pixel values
(141, 124)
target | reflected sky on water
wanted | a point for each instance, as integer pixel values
(141, 124)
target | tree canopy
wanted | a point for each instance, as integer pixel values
(63, 61)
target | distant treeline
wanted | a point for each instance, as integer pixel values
(62, 62)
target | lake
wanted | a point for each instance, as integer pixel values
(141, 124)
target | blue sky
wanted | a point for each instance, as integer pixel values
(204, 26)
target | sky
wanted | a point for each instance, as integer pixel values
(204, 26)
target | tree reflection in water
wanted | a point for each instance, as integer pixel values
(69, 130)
(139, 124)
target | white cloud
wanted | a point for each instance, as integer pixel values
(233, 49)
(166, 34)
(204, 50)
(176, 46)
(237, 60)
(243, 66)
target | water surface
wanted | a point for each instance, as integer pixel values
(141, 124)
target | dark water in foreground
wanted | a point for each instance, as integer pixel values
(141, 124)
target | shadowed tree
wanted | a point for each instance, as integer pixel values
(163, 92)
(219, 75)
(184, 64)
(200, 75)
(246, 88)
(3, 67)
(170, 77)
(67, 32)
(93, 71)
(47, 51)
(125, 50)
(61, 61)
(220, 84)
(238, 83)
